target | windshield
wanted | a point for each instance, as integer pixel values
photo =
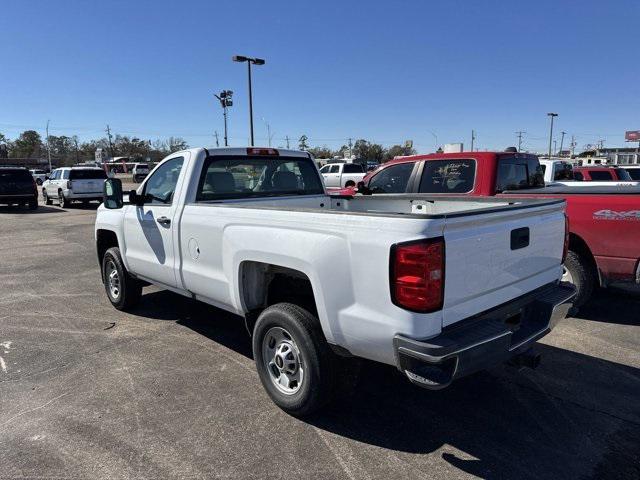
(519, 173)
(634, 173)
(88, 174)
(623, 174)
(247, 177)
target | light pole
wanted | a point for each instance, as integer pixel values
(255, 61)
(225, 101)
(435, 137)
(551, 131)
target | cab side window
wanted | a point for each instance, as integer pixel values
(393, 179)
(161, 186)
(65, 174)
(334, 169)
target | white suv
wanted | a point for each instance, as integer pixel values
(74, 184)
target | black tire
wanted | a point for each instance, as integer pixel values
(349, 183)
(47, 200)
(582, 276)
(33, 204)
(129, 291)
(62, 200)
(318, 362)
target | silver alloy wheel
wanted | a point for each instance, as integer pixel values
(282, 360)
(566, 275)
(113, 279)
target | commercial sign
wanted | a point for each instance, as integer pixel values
(632, 135)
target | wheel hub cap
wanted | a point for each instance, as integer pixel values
(283, 360)
(113, 280)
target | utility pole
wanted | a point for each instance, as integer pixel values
(551, 131)
(473, 138)
(225, 102)
(108, 130)
(48, 147)
(562, 141)
(573, 145)
(215, 134)
(519, 134)
(269, 136)
(287, 138)
(254, 61)
(75, 142)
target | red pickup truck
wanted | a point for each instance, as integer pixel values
(604, 223)
(595, 174)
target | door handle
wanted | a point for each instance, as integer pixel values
(164, 221)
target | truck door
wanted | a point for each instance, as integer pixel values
(332, 179)
(150, 228)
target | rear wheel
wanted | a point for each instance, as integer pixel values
(122, 289)
(62, 200)
(295, 364)
(47, 200)
(579, 271)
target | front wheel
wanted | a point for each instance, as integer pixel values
(122, 289)
(295, 364)
(578, 271)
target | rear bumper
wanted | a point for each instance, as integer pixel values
(18, 198)
(71, 195)
(484, 340)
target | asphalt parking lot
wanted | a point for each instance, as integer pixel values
(170, 390)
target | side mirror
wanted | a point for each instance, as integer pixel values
(363, 189)
(112, 193)
(135, 199)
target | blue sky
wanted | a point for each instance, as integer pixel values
(386, 71)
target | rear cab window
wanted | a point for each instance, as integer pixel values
(352, 168)
(392, 179)
(87, 174)
(600, 175)
(448, 176)
(518, 173)
(14, 175)
(254, 177)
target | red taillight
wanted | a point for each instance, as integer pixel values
(565, 249)
(417, 275)
(262, 151)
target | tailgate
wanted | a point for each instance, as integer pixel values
(87, 186)
(492, 258)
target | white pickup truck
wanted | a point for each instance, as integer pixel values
(342, 175)
(440, 288)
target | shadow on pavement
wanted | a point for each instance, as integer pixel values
(576, 416)
(612, 306)
(24, 210)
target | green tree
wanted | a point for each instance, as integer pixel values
(28, 145)
(302, 143)
(397, 151)
(175, 144)
(364, 150)
(321, 152)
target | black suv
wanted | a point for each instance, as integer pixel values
(18, 187)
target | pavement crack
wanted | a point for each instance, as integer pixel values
(24, 412)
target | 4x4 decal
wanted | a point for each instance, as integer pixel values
(614, 215)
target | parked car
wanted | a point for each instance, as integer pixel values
(633, 171)
(603, 221)
(38, 175)
(139, 172)
(320, 280)
(17, 187)
(554, 170)
(340, 175)
(600, 174)
(71, 184)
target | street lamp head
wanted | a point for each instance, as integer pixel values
(239, 58)
(257, 61)
(552, 114)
